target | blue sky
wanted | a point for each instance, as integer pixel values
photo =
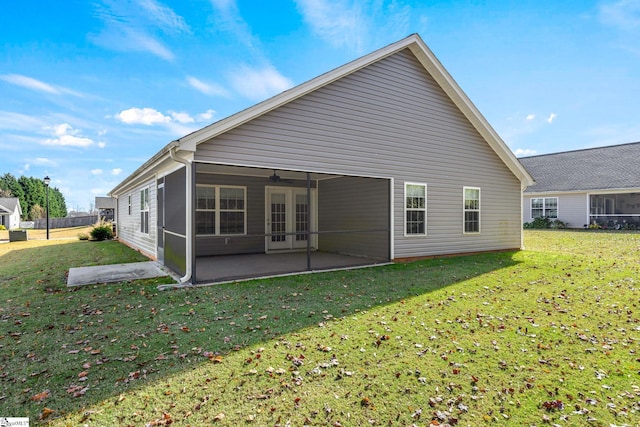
(89, 90)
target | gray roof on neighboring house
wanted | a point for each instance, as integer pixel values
(603, 168)
(9, 204)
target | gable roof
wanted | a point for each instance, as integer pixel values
(603, 168)
(9, 204)
(424, 55)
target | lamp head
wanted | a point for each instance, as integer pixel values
(47, 180)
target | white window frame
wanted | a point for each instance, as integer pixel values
(144, 210)
(465, 210)
(412, 209)
(544, 207)
(217, 210)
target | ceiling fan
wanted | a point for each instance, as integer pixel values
(276, 178)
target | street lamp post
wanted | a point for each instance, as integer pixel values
(47, 180)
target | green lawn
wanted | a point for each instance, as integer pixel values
(549, 335)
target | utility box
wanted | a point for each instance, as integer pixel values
(18, 235)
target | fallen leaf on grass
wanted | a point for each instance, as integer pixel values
(46, 413)
(39, 397)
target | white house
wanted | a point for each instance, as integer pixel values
(592, 186)
(10, 212)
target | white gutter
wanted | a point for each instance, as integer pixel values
(186, 279)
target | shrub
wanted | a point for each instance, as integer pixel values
(540, 223)
(2, 227)
(102, 231)
(83, 236)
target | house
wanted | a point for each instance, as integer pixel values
(598, 186)
(106, 207)
(381, 159)
(10, 212)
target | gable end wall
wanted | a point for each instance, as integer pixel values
(389, 120)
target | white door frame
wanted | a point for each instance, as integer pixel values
(289, 243)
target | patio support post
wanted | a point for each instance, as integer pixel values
(309, 221)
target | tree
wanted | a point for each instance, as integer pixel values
(37, 212)
(31, 192)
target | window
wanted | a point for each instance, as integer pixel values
(471, 210)
(544, 207)
(144, 210)
(415, 207)
(220, 210)
(129, 201)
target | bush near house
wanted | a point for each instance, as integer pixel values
(102, 231)
(542, 223)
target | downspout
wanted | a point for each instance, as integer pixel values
(186, 279)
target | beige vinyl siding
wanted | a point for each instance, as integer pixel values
(389, 120)
(573, 208)
(129, 225)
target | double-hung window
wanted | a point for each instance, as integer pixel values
(144, 210)
(544, 207)
(415, 207)
(220, 210)
(471, 209)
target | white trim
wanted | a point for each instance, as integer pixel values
(544, 208)
(404, 210)
(392, 219)
(217, 210)
(464, 210)
(289, 244)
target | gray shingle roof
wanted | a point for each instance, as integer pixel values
(9, 203)
(604, 168)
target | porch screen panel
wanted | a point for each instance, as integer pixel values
(278, 217)
(302, 217)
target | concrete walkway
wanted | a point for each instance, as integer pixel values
(114, 273)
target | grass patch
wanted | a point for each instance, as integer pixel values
(547, 335)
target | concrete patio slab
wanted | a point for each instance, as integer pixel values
(114, 273)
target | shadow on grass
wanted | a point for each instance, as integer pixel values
(92, 343)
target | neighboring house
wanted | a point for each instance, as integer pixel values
(384, 158)
(106, 207)
(592, 186)
(10, 212)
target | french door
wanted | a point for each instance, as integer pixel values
(289, 218)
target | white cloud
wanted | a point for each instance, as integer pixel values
(207, 88)
(181, 117)
(98, 191)
(144, 116)
(340, 23)
(623, 14)
(65, 135)
(29, 83)
(116, 171)
(41, 161)
(207, 116)
(163, 16)
(27, 166)
(228, 19)
(531, 117)
(258, 84)
(551, 118)
(96, 171)
(355, 24)
(129, 29)
(102, 144)
(523, 152)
